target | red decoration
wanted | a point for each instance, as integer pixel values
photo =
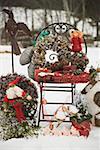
(83, 127)
(76, 41)
(57, 74)
(16, 105)
(8, 101)
(19, 113)
(18, 108)
(69, 69)
(65, 76)
(37, 71)
(71, 78)
(14, 82)
(24, 94)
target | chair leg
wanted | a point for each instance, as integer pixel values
(73, 92)
(40, 107)
(39, 117)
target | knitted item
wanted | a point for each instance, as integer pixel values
(25, 57)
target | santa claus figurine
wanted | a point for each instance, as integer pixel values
(76, 40)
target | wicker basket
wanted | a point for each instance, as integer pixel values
(97, 120)
(98, 69)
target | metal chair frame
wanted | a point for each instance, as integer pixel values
(52, 88)
(66, 88)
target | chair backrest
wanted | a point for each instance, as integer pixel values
(60, 29)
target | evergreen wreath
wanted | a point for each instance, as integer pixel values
(10, 126)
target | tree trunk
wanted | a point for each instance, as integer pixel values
(76, 22)
(57, 16)
(50, 11)
(32, 20)
(67, 10)
(97, 28)
(83, 11)
(45, 18)
(26, 17)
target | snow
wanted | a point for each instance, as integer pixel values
(7, 48)
(55, 143)
(88, 29)
(51, 142)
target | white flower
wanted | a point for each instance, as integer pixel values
(10, 93)
(14, 92)
(18, 91)
(51, 56)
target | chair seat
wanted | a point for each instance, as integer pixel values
(65, 78)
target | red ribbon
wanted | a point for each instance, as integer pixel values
(83, 127)
(16, 105)
(71, 78)
(15, 81)
(18, 108)
(76, 41)
(24, 94)
(19, 113)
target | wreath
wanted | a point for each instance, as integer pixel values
(18, 107)
(58, 48)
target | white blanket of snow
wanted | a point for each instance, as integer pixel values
(7, 48)
(51, 142)
(55, 143)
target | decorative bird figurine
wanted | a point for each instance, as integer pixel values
(12, 28)
(60, 29)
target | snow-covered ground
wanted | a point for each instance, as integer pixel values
(52, 142)
(55, 143)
